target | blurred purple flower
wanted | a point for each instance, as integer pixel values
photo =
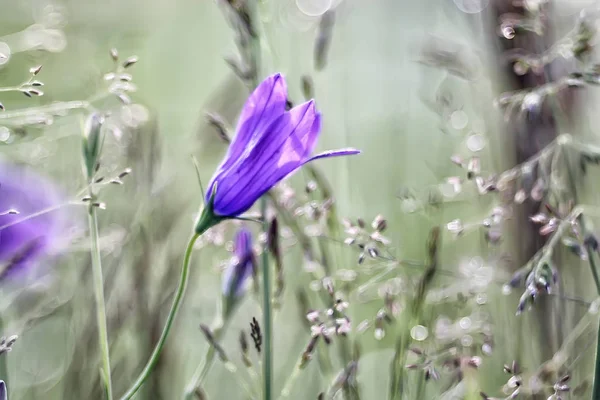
(24, 237)
(271, 143)
(3, 391)
(242, 265)
(238, 272)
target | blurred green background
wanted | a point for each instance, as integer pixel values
(374, 96)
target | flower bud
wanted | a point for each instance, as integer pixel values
(239, 270)
(92, 142)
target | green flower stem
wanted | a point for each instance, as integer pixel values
(591, 255)
(3, 363)
(596, 389)
(267, 319)
(169, 322)
(593, 268)
(100, 304)
(267, 306)
(402, 343)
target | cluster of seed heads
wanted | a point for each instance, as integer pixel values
(558, 385)
(541, 281)
(100, 181)
(492, 225)
(578, 242)
(120, 81)
(327, 323)
(472, 167)
(369, 241)
(512, 388)
(526, 181)
(447, 360)
(30, 87)
(576, 44)
(540, 274)
(316, 212)
(241, 20)
(385, 316)
(256, 334)
(530, 180)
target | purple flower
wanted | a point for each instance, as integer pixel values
(24, 237)
(239, 270)
(3, 391)
(271, 143)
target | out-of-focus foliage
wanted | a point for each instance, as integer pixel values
(409, 246)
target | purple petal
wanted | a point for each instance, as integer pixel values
(3, 391)
(283, 148)
(242, 245)
(348, 151)
(23, 241)
(238, 272)
(265, 104)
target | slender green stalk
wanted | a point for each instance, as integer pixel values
(596, 389)
(169, 322)
(205, 365)
(200, 373)
(3, 366)
(402, 343)
(100, 305)
(208, 362)
(267, 320)
(594, 270)
(267, 306)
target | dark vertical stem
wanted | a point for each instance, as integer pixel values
(100, 302)
(401, 350)
(533, 130)
(266, 271)
(267, 320)
(594, 270)
(596, 389)
(3, 366)
(168, 323)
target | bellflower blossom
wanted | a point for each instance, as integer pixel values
(23, 240)
(270, 144)
(240, 269)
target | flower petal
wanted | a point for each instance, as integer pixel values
(241, 267)
(348, 151)
(265, 104)
(284, 147)
(24, 240)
